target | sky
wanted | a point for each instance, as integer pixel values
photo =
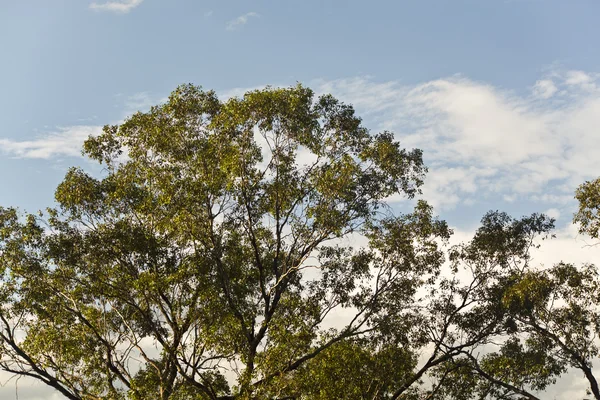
(503, 96)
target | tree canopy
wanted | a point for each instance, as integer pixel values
(216, 258)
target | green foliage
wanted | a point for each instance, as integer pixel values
(528, 365)
(537, 322)
(185, 271)
(588, 214)
(211, 261)
(355, 370)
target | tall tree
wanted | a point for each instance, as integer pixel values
(475, 347)
(537, 322)
(207, 261)
(554, 313)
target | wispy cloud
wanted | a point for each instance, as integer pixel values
(481, 142)
(68, 141)
(544, 88)
(65, 142)
(484, 142)
(121, 7)
(240, 21)
(581, 79)
(141, 101)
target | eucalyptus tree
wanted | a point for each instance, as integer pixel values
(216, 257)
(211, 258)
(473, 307)
(535, 323)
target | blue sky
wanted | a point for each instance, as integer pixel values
(503, 95)
(78, 63)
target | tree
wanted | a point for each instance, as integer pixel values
(213, 259)
(538, 321)
(206, 261)
(553, 311)
(478, 350)
(588, 214)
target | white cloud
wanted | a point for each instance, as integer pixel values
(579, 78)
(240, 21)
(553, 198)
(477, 123)
(544, 88)
(68, 141)
(141, 101)
(553, 213)
(65, 142)
(448, 186)
(482, 141)
(122, 6)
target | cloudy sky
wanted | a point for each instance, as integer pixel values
(502, 95)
